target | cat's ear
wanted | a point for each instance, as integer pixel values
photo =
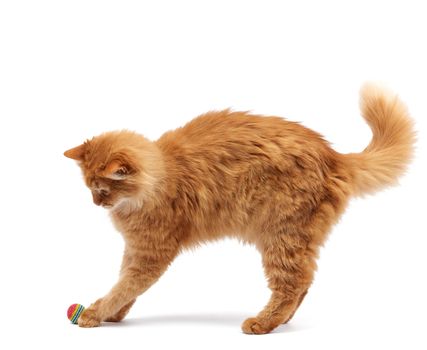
(76, 153)
(117, 170)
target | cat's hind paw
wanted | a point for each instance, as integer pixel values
(254, 325)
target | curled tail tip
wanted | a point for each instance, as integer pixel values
(384, 108)
(370, 88)
(374, 92)
(390, 151)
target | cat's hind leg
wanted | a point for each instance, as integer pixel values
(289, 267)
(301, 298)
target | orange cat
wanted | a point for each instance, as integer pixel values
(264, 180)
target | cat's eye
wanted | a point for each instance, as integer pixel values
(103, 193)
(120, 172)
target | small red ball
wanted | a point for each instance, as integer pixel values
(74, 312)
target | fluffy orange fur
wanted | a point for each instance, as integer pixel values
(265, 180)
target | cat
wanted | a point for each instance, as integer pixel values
(264, 180)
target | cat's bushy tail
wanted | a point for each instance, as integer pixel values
(391, 147)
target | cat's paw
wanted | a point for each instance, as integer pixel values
(254, 325)
(88, 319)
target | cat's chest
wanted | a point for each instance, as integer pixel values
(142, 225)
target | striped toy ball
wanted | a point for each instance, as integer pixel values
(74, 312)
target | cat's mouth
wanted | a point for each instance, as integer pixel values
(106, 205)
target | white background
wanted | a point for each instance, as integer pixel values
(72, 69)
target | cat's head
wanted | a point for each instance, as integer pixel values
(120, 168)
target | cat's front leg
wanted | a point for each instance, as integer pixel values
(121, 314)
(143, 271)
(90, 317)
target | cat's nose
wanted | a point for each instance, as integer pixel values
(96, 198)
